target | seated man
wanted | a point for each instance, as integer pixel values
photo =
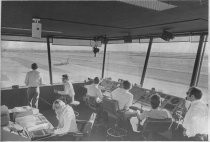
(94, 91)
(66, 118)
(68, 94)
(196, 119)
(124, 98)
(155, 112)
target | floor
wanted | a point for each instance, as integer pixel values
(99, 130)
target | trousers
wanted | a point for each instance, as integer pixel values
(33, 96)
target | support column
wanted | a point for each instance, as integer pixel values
(197, 62)
(104, 58)
(146, 62)
(49, 59)
(201, 60)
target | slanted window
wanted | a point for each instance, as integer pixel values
(170, 66)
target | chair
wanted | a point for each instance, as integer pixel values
(91, 102)
(96, 108)
(85, 127)
(73, 104)
(156, 129)
(112, 109)
(84, 131)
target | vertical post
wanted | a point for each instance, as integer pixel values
(104, 58)
(201, 60)
(197, 61)
(146, 62)
(49, 59)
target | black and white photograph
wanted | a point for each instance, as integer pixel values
(104, 70)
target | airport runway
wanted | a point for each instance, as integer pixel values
(170, 73)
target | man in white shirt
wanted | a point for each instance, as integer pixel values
(156, 112)
(68, 94)
(94, 91)
(33, 80)
(196, 118)
(66, 118)
(124, 98)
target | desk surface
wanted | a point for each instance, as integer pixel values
(39, 127)
(7, 136)
(33, 128)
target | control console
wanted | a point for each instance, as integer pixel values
(172, 103)
(109, 85)
(142, 96)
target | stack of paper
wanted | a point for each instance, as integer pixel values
(32, 122)
(21, 109)
(35, 110)
(26, 121)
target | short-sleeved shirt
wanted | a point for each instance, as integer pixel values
(124, 98)
(156, 114)
(196, 119)
(68, 89)
(33, 78)
(94, 91)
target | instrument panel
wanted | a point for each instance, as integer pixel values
(142, 96)
(109, 85)
(169, 102)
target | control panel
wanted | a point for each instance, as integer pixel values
(109, 85)
(142, 96)
(169, 102)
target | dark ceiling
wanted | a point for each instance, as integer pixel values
(113, 19)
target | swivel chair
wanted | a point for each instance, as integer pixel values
(85, 128)
(111, 107)
(157, 129)
(95, 107)
(84, 131)
(91, 103)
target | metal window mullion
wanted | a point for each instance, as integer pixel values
(49, 59)
(104, 59)
(146, 61)
(197, 62)
(201, 60)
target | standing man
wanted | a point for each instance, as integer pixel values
(68, 94)
(196, 119)
(33, 80)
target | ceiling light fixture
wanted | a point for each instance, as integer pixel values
(150, 4)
